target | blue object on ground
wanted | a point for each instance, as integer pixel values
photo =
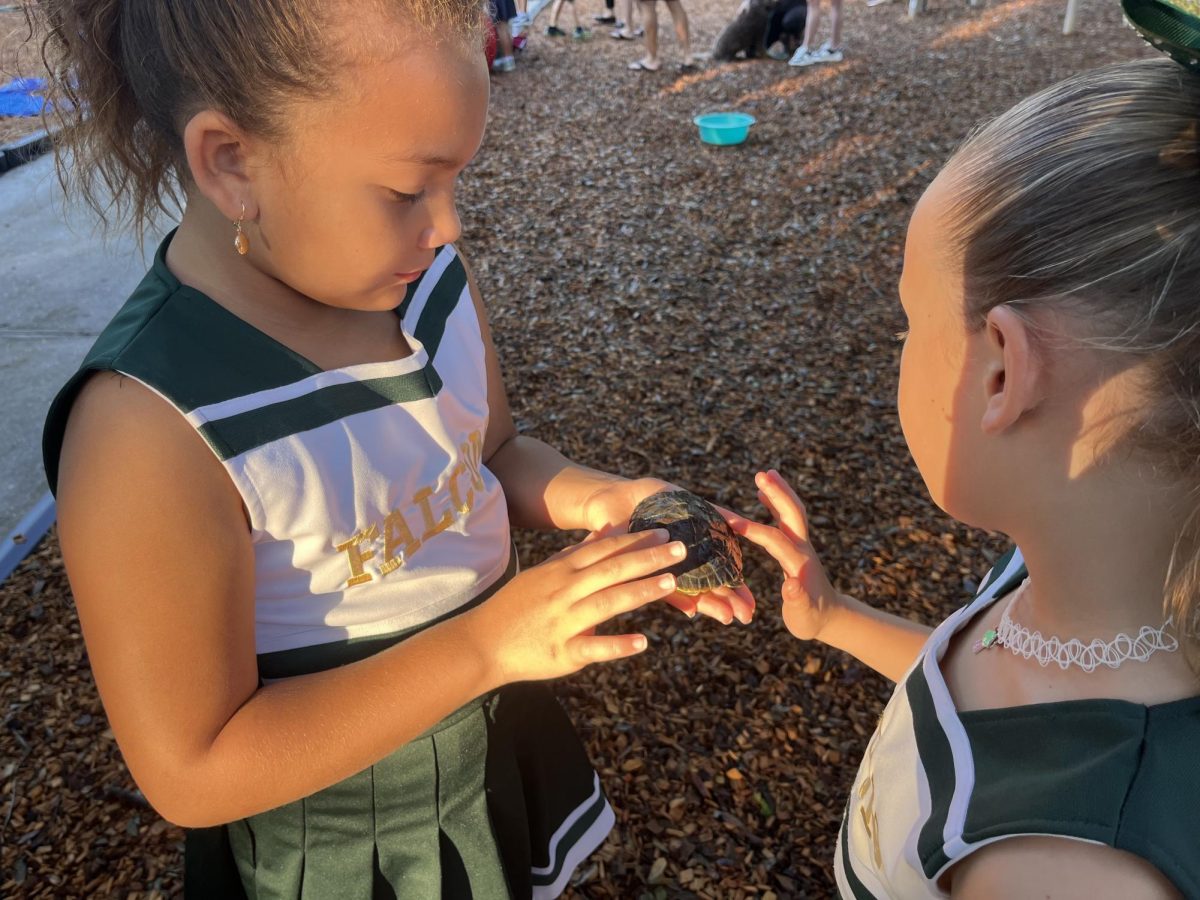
(28, 532)
(22, 97)
(724, 128)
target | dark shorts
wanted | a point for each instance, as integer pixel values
(502, 10)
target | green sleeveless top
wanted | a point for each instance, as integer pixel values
(372, 516)
(937, 784)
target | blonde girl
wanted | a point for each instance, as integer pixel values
(1041, 741)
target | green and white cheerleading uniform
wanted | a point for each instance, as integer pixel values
(937, 784)
(372, 516)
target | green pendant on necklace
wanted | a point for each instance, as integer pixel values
(989, 638)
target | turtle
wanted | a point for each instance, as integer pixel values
(714, 558)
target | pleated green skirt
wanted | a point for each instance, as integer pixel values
(496, 802)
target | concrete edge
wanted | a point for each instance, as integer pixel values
(29, 531)
(22, 150)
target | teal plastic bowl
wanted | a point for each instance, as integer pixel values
(724, 128)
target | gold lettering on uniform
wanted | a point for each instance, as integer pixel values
(396, 536)
(357, 555)
(461, 507)
(421, 498)
(472, 451)
(866, 794)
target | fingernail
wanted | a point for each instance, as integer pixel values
(667, 582)
(678, 550)
(639, 642)
(691, 615)
(662, 534)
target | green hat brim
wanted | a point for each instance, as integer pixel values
(1167, 28)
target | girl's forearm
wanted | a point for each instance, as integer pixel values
(297, 736)
(888, 644)
(545, 490)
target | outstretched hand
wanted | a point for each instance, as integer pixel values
(611, 507)
(808, 596)
(542, 623)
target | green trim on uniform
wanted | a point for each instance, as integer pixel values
(195, 350)
(1037, 769)
(443, 300)
(242, 432)
(1160, 821)
(182, 343)
(996, 571)
(246, 431)
(319, 657)
(197, 353)
(570, 838)
(418, 823)
(933, 748)
(858, 889)
(933, 745)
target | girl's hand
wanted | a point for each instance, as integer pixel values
(541, 624)
(808, 597)
(611, 506)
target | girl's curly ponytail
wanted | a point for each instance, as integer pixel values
(127, 74)
(104, 148)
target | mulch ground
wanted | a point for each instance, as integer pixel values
(660, 307)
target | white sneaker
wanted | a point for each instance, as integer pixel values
(826, 53)
(803, 57)
(504, 64)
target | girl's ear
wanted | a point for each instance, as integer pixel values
(1013, 373)
(218, 156)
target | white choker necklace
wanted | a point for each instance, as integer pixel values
(1089, 657)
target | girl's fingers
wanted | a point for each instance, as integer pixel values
(598, 547)
(685, 603)
(590, 538)
(766, 501)
(793, 591)
(621, 568)
(586, 649)
(602, 532)
(741, 601)
(614, 601)
(728, 514)
(715, 607)
(785, 551)
(788, 508)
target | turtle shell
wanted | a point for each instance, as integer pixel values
(714, 558)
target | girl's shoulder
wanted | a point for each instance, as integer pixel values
(1098, 768)
(178, 344)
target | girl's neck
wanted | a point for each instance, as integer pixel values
(1098, 556)
(202, 256)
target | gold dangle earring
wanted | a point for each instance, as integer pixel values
(241, 243)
